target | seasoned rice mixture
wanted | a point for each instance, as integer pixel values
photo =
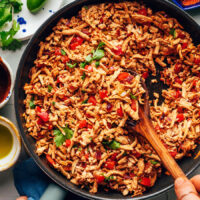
(79, 95)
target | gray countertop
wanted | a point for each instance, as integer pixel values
(7, 189)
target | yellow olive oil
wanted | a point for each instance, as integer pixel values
(6, 141)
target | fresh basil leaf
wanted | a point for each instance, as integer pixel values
(17, 5)
(57, 132)
(31, 104)
(114, 145)
(88, 58)
(97, 63)
(63, 52)
(5, 14)
(59, 138)
(173, 32)
(98, 54)
(85, 101)
(50, 88)
(68, 132)
(132, 96)
(101, 44)
(71, 65)
(82, 65)
(83, 77)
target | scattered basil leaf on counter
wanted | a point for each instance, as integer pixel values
(71, 65)
(63, 52)
(82, 65)
(83, 77)
(133, 96)
(31, 104)
(50, 88)
(173, 32)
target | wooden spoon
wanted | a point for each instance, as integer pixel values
(146, 129)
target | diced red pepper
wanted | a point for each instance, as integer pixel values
(38, 109)
(40, 122)
(113, 157)
(137, 154)
(123, 76)
(83, 124)
(180, 117)
(98, 155)
(76, 41)
(142, 11)
(65, 59)
(181, 35)
(118, 51)
(57, 52)
(133, 105)
(110, 164)
(184, 45)
(44, 116)
(89, 68)
(177, 68)
(92, 100)
(197, 61)
(146, 181)
(49, 159)
(68, 142)
(109, 107)
(145, 75)
(120, 112)
(180, 109)
(100, 178)
(178, 80)
(73, 46)
(103, 94)
(173, 154)
(50, 127)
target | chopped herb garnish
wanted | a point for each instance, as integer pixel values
(31, 104)
(109, 178)
(82, 65)
(50, 88)
(97, 63)
(79, 149)
(98, 54)
(86, 7)
(85, 101)
(68, 132)
(173, 32)
(101, 44)
(83, 76)
(63, 52)
(71, 65)
(53, 103)
(90, 138)
(112, 145)
(132, 96)
(89, 58)
(154, 162)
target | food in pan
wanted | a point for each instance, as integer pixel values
(79, 95)
(189, 2)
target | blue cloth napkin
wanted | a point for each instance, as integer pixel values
(29, 180)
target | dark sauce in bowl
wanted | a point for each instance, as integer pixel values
(5, 81)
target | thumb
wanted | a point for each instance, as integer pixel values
(185, 190)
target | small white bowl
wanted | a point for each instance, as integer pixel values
(9, 160)
(11, 84)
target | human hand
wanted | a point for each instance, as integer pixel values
(187, 190)
(22, 198)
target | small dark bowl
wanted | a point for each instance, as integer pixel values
(164, 182)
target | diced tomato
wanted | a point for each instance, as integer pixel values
(145, 75)
(178, 80)
(177, 68)
(89, 68)
(50, 127)
(120, 112)
(103, 94)
(76, 41)
(177, 94)
(100, 178)
(146, 181)
(44, 116)
(123, 76)
(142, 11)
(79, 40)
(98, 155)
(89, 126)
(49, 159)
(180, 109)
(83, 124)
(131, 175)
(184, 45)
(109, 125)
(133, 105)
(57, 52)
(88, 115)
(73, 46)
(136, 154)
(181, 35)
(68, 142)
(38, 109)
(118, 51)
(173, 154)
(197, 61)
(92, 100)
(180, 117)
(40, 122)
(65, 59)
(110, 164)
(113, 157)
(109, 107)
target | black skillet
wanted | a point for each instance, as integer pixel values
(164, 182)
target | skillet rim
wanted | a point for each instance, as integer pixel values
(30, 150)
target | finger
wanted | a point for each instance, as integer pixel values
(22, 198)
(196, 182)
(185, 189)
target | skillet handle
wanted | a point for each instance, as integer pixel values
(53, 192)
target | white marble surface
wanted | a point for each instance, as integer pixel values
(7, 189)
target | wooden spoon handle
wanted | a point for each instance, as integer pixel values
(145, 128)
